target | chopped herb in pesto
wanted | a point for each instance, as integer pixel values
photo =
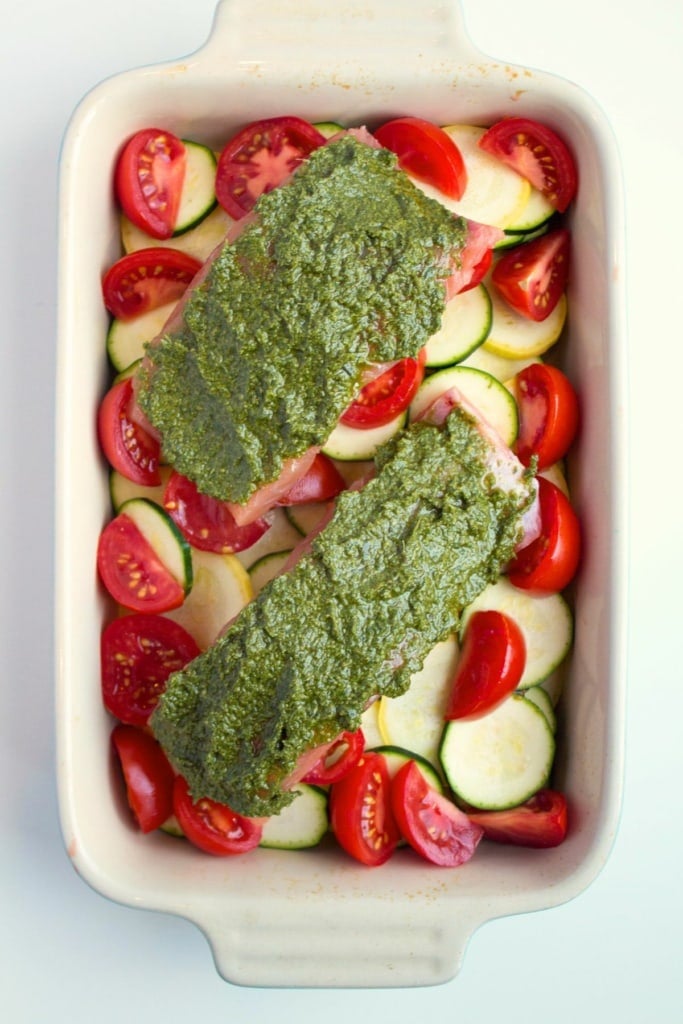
(342, 266)
(381, 585)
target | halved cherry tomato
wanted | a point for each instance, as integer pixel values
(426, 152)
(490, 665)
(548, 414)
(540, 822)
(214, 827)
(538, 154)
(131, 570)
(479, 272)
(146, 279)
(137, 655)
(550, 562)
(386, 396)
(360, 811)
(437, 829)
(343, 755)
(533, 276)
(148, 776)
(322, 482)
(259, 158)
(148, 180)
(127, 446)
(206, 522)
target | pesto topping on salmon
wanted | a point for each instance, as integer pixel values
(385, 580)
(343, 265)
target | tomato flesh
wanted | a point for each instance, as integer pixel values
(206, 522)
(259, 158)
(538, 154)
(549, 563)
(148, 776)
(147, 279)
(533, 276)
(137, 655)
(214, 827)
(490, 665)
(541, 822)
(437, 829)
(127, 446)
(426, 152)
(322, 482)
(131, 570)
(548, 414)
(343, 755)
(148, 180)
(360, 811)
(387, 395)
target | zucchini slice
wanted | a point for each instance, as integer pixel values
(396, 757)
(305, 518)
(465, 325)
(545, 621)
(501, 759)
(221, 588)
(517, 337)
(198, 197)
(301, 824)
(350, 444)
(199, 241)
(162, 534)
(266, 568)
(122, 489)
(126, 339)
(486, 393)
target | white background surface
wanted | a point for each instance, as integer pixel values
(614, 952)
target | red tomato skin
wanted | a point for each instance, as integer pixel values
(128, 448)
(532, 276)
(259, 158)
(490, 665)
(426, 152)
(146, 279)
(360, 811)
(324, 773)
(206, 522)
(131, 570)
(137, 655)
(322, 482)
(479, 272)
(148, 776)
(435, 828)
(538, 154)
(541, 822)
(550, 562)
(213, 827)
(548, 413)
(387, 395)
(148, 180)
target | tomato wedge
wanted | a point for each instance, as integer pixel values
(131, 570)
(214, 827)
(148, 180)
(146, 279)
(549, 563)
(437, 829)
(148, 776)
(490, 665)
(533, 276)
(548, 414)
(322, 482)
(360, 811)
(541, 822)
(387, 395)
(426, 152)
(259, 158)
(127, 446)
(137, 655)
(343, 755)
(206, 522)
(538, 154)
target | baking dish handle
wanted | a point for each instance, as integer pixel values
(367, 32)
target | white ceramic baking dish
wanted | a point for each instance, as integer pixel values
(316, 918)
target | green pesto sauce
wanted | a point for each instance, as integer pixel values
(342, 266)
(382, 584)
